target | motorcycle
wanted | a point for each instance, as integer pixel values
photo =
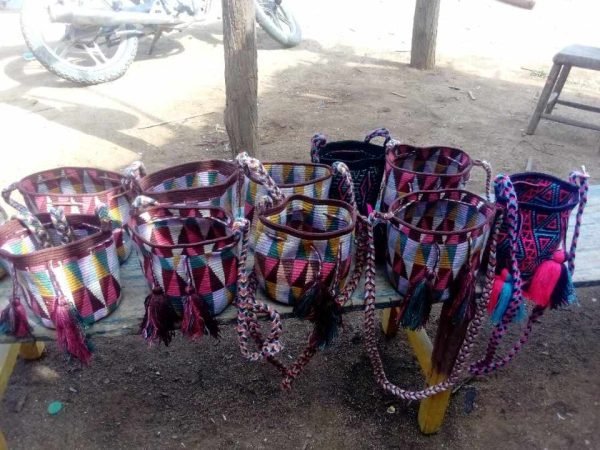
(95, 41)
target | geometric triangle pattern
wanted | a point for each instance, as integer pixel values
(436, 232)
(291, 243)
(80, 191)
(544, 206)
(181, 246)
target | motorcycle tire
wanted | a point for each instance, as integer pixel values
(286, 37)
(34, 15)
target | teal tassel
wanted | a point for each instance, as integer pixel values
(503, 300)
(419, 305)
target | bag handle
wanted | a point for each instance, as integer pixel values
(249, 309)
(6, 195)
(252, 167)
(39, 234)
(346, 185)
(378, 132)
(579, 179)
(132, 175)
(317, 142)
(488, 176)
(472, 332)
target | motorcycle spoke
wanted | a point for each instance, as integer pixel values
(95, 53)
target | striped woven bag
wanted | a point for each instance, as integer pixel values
(365, 160)
(66, 270)
(203, 183)
(534, 261)
(303, 257)
(81, 190)
(189, 256)
(436, 239)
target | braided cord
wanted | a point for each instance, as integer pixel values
(61, 225)
(488, 177)
(16, 205)
(378, 132)
(252, 167)
(38, 232)
(317, 142)
(346, 184)
(505, 193)
(580, 179)
(468, 343)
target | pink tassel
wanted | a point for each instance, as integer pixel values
(496, 290)
(159, 319)
(13, 319)
(197, 320)
(545, 280)
(69, 332)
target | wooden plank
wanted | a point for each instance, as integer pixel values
(569, 121)
(126, 319)
(8, 359)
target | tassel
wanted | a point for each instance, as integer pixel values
(197, 320)
(304, 307)
(551, 284)
(159, 318)
(499, 281)
(506, 294)
(455, 317)
(418, 304)
(13, 320)
(69, 331)
(327, 318)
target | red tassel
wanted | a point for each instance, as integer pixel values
(496, 290)
(545, 280)
(159, 318)
(197, 320)
(69, 332)
(13, 319)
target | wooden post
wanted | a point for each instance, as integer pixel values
(241, 76)
(422, 55)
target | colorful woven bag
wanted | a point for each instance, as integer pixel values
(80, 190)
(447, 240)
(410, 169)
(364, 159)
(66, 271)
(534, 261)
(303, 256)
(311, 180)
(203, 183)
(189, 256)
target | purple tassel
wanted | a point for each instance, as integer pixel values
(69, 331)
(159, 318)
(13, 320)
(197, 320)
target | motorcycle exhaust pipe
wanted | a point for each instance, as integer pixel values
(102, 17)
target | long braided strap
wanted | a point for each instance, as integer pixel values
(472, 332)
(6, 195)
(378, 132)
(61, 225)
(346, 185)
(488, 177)
(39, 234)
(506, 195)
(249, 309)
(317, 142)
(580, 179)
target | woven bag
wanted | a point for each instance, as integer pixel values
(80, 190)
(410, 169)
(364, 159)
(203, 183)
(436, 239)
(311, 180)
(303, 257)
(189, 256)
(66, 270)
(534, 261)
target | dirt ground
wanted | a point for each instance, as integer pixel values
(349, 75)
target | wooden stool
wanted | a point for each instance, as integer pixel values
(572, 56)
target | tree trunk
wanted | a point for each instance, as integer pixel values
(425, 24)
(241, 76)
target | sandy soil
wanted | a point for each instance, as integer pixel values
(341, 80)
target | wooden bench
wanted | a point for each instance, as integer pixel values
(126, 319)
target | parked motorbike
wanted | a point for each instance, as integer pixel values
(95, 41)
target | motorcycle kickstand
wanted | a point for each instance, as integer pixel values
(157, 36)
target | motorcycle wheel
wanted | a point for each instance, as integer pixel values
(85, 55)
(279, 22)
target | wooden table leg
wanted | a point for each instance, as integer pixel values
(8, 359)
(32, 350)
(389, 322)
(433, 409)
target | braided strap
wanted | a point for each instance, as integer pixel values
(506, 194)
(252, 167)
(132, 175)
(60, 224)
(579, 179)
(38, 232)
(248, 326)
(6, 195)
(472, 332)
(346, 185)
(488, 177)
(378, 132)
(317, 142)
